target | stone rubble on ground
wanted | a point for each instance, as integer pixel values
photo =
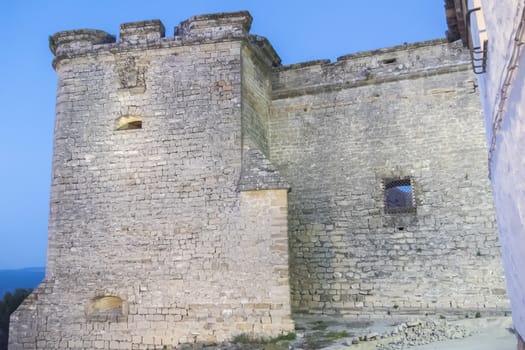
(423, 332)
(396, 337)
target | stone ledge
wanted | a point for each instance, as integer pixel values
(150, 34)
(258, 173)
(403, 47)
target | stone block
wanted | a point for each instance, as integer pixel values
(141, 32)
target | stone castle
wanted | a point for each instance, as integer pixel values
(202, 190)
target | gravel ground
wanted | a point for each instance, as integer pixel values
(331, 333)
(421, 334)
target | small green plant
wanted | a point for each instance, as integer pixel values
(418, 250)
(466, 315)
(320, 326)
(442, 317)
(245, 338)
(395, 306)
(8, 305)
(52, 43)
(478, 253)
(284, 337)
(388, 312)
(337, 335)
(478, 315)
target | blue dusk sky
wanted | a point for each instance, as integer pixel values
(300, 30)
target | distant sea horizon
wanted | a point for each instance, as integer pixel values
(27, 278)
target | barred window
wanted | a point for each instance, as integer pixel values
(399, 196)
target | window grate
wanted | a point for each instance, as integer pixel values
(399, 196)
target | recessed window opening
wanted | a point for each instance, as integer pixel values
(105, 306)
(399, 196)
(128, 122)
(389, 60)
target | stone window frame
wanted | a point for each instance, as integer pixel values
(390, 182)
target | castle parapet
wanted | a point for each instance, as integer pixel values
(370, 67)
(151, 34)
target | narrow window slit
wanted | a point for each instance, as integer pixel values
(128, 122)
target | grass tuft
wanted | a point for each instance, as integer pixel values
(320, 326)
(245, 338)
(337, 335)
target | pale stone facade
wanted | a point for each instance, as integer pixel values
(502, 25)
(337, 131)
(171, 217)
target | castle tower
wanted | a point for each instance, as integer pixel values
(168, 224)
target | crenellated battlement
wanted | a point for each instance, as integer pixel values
(151, 34)
(356, 68)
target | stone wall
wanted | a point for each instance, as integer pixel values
(151, 243)
(337, 131)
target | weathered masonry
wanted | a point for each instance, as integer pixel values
(172, 219)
